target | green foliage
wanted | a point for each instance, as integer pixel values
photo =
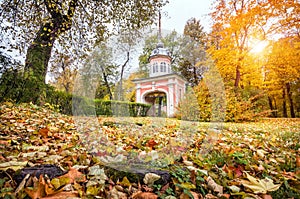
(285, 192)
(181, 174)
(19, 87)
(45, 28)
(120, 108)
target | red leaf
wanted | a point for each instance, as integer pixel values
(151, 143)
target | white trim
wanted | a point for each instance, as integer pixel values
(155, 90)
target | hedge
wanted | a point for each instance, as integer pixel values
(70, 104)
(120, 108)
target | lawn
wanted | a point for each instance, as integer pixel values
(44, 154)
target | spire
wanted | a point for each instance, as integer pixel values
(159, 44)
(159, 26)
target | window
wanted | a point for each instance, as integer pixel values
(163, 67)
(155, 67)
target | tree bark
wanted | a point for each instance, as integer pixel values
(284, 110)
(289, 94)
(237, 76)
(271, 106)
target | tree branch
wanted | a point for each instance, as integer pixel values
(53, 9)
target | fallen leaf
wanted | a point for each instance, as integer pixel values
(212, 185)
(74, 175)
(44, 132)
(151, 143)
(298, 161)
(144, 195)
(267, 196)
(14, 165)
(38, 189)
(62, 195)
(234, 189)
(115, 194)
(150, 178)
(260, 186)
(125, 182)
(186, 196)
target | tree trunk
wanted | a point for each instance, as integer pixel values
(271, 106)
(39, 52)
(106, 82)
(275, 107)
(237, 76)
(289, 94)
(120, 92)
(284, 110)
(36, 65)
(195, 75)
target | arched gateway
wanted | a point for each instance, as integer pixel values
(163, 89)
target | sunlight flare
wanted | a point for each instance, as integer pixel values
(258, 47)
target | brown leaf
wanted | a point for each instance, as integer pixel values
(62, 195)
(164, 188)
(210, 196)
(212, 185)
(144, 195)
(44, 132)
(74, 175)
(185, 196)
(38, 190)
(298, 161)
(265, 196)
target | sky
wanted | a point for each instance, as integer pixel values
(179, 11)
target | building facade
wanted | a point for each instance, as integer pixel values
(163, 89)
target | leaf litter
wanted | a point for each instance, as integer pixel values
(246, 160)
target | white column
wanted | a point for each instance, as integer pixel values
(171, 101)
(138, 93)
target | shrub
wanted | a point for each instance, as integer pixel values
(120, 108)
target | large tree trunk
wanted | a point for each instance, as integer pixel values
(36, 65)
(289, 94)
(39, 52)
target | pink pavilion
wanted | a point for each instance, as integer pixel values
(163, 89)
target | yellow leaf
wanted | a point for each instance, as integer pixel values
(125, 182)
(260, 186)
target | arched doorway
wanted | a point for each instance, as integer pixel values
(158, 100)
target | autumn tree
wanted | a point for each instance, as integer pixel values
(74, 24)
(235, 24)
(192, 61)
(64, 73)
(283, 72)
(126, 45)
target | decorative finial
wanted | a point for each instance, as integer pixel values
(159, 26)
(159, 44)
